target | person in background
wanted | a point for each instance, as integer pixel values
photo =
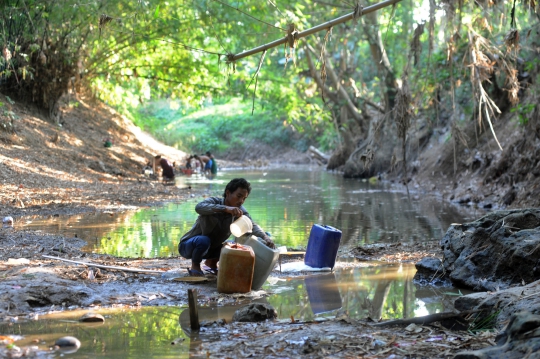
(166, 167)
(197, 165)
(206, 163)
(188, 162)
(147, 170)
(107, 142)
(212, 228)
(213, 167)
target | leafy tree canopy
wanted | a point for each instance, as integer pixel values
(135, 52)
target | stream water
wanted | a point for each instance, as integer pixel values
(286, 203)
(371, 291)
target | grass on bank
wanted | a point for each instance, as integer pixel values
(220, 127)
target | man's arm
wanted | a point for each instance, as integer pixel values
(213, 205)
(259, 232)
(209, 206)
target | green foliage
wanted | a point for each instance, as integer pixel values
(41, 43)
(523, 112)
(135, 54)
(532, 65)
(11, 115)
(231, 124)
(157, 64)
(483, 323)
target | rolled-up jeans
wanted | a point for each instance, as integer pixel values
(198, 248)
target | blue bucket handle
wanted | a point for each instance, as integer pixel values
(330, 227)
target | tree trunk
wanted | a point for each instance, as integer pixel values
(336, 81)
(376, 45)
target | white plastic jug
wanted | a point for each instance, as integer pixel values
(265, 259)
(241, 226)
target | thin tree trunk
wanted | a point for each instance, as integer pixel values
(341, 90)
(378, 52)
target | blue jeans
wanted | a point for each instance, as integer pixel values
(198, 248)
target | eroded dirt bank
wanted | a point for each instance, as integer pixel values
(64, 168)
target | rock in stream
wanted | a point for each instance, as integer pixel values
(497, 251)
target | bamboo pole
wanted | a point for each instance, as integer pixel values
(89, 264)
(313, 30)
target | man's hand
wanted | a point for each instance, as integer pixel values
(235, 211)
(269, 242)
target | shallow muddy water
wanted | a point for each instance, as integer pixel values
(285, 202)
(370, 291)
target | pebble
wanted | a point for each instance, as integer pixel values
(7, 221)
(68, 342)
(92, 318)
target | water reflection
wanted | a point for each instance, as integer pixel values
(287, 203)
(323, 293)
(383, 291)
(143, 333)
(284, 202)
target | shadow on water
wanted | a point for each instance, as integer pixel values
(284, 202)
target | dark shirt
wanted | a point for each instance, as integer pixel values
(167, 167)
(215, 223)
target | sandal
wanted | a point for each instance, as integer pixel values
(213, 271)
(195, 273)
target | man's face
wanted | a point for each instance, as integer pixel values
(236, 198)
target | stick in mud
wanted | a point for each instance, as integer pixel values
(90, 264)
(193, 310)
(425, 319)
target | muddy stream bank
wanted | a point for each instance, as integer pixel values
(372, 278)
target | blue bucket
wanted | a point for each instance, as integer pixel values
(322, 246)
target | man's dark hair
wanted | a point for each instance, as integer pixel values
(157, 157)
(208, 153)
(237, 183)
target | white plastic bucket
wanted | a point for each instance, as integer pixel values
(241, 226)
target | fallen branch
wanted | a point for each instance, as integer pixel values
(426, 319)
(90, 264)
(318, 154)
